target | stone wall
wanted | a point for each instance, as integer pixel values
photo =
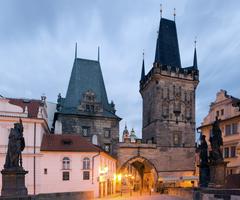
(184, 193)
(211, 194)
(55, 196)
(97, 125)
(164, 159)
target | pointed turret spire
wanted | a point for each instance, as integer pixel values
(195, 56)
(98, 54)
(167, 50)
(76, 50)
(143, 69)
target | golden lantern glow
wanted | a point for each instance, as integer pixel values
(119, 177)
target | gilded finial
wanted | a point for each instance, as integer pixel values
(98, 54)
(174, 14)
(161, 10)
(143, 54)
(76, 50)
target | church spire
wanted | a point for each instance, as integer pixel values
(76, 50)
(195, 66)
(143, 69)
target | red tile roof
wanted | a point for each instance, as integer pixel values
(67, 142)
(32, 105)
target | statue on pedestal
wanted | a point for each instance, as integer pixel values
(204, 164)
(13, 174)
(217, 165)
(16, 145)
(216, 142)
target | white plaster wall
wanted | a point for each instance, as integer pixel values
(52, 181)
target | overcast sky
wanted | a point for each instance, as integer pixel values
(37, 40)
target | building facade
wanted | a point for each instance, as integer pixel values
(85, 110)
(34, 118)
(223, 108)
(55, 162)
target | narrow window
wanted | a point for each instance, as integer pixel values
(65, 176)
(66, 163)
(85, 131)
(86, 175)
(226, 152)
(86, 163)
(107, 147)
(217, 113)
(228, 129)
(233, 151)
(222, 112)
(45, 170)
(234, 128)
(107, 133)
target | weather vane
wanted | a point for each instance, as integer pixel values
(174, 14)
(161, 10)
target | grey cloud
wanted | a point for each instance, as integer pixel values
(37, 46)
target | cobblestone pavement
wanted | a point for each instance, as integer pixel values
(143, 197)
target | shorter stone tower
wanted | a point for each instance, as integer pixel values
(85, 110)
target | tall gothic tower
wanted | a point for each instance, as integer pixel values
(168, 92)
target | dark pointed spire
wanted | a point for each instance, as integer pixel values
(98, 54)
(143, 69)
(195, 56)
(76, 50)
(167, 50)
(174, 14)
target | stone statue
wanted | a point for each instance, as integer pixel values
(216, 142)
(204, 164)
(16, 145)
(203, 149)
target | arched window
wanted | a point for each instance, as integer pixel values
(66, 163)
(86, 163)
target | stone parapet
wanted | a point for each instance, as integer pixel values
(88, 195)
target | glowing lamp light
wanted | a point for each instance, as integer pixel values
(119, 177)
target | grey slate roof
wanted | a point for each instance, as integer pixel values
(86, 75)
(167, 50)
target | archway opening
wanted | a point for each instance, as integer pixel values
(138, 175)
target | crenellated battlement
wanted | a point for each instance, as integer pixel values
(188, 73)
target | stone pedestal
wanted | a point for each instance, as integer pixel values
(13, 183)
(217, 174)
(204, 176)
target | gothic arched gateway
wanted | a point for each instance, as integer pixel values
(138, 174)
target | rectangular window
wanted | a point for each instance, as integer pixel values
(45, 171)
(176, 139)
(107, 147)
(85, 131)
(107, 133)
(88, 108)
(86, 175)
(65, 176)
(234, 128)
(228, 129)
(226, 152)
(222, 112)
(217, 113)
(233, 151)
